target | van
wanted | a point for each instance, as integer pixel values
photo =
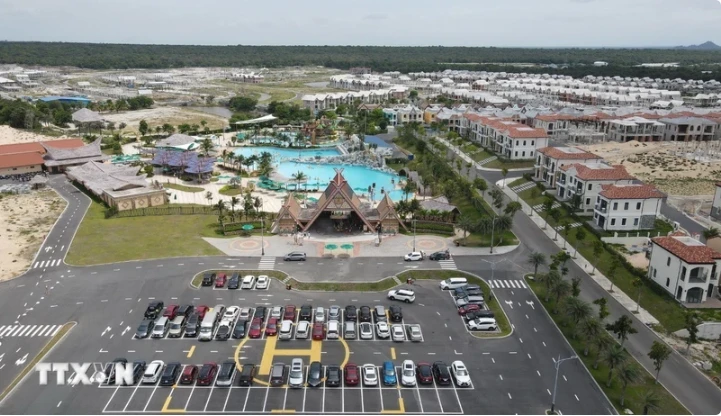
(453, 283)
(350, 331)
(207, 327)
(333, 330)
(162, 325)
(177, 326)
(152, 372)
(475, 300)
(277, 375)
(286, 330)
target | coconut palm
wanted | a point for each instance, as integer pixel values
(240, 160)
(650, 401)
(536, 259)
(601, 343)
(628, 374)
(560, 289)
(551, 279)
(556, 215)
(234, 201)
(206, 146)
(466, 224)
(257, 203)
(597, 251)
(209, 197)
(711, 233)
(614, 357)
(591, 328)
(576, 310)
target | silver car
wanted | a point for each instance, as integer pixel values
(397, 333)
(295, 377)
(245, 314)
(366, 330)
(414, 333)
(276, 312)
(334, 313)
(383, 330)
(320, 314)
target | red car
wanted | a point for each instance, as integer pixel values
(271, 328)
(468, 308)
(170, 312)
(289, 314)
(201, 310)
(424, 372)
(206, 375)
(189, 374)
(220, 280)
(256, 328)
(352, 374)
(318, 331)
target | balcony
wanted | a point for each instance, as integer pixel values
(601, 208)
(698, 278)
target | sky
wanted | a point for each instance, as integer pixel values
(501, 23)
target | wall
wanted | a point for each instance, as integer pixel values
(20, 170)
(649, 208)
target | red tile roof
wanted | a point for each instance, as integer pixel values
(525, 133)
(7, 149)
(615, 172)
(556, 153)
(19, 160)
(630, 192)
(692, 254)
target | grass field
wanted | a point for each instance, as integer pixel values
(509, 164)
(182, 187)
(101, 240)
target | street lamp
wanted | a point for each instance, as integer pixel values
(262, 228)
(414, 235)
(493, 229)
(557, 364)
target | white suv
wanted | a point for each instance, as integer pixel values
(407, 296)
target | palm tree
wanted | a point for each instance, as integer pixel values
(466, 225)
(551, 279)
(547, 207)
(622, 327)
(560, 289)
(504, 173)
(591, 328)
(614, 357)
(612, 272)
(650, 401)
(220, 206)
(240, 160)
(536, 259)
(602, 343)
(580, 236)
(234, 201)
(711, 233)
(257, 203)
(556, 215)
(597, 251)
(224, 156)
(512, 208)
(628, 374)
(209, 197)
(638, 284)
(299, 177)
(206, 146)
(408, 188)
(576, 310)
(566, 230)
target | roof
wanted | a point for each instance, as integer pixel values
(635, 191)
(599, 171)
(86, 116)
(177, 139)
(688, 249)
(20, 160)
(439, 203)
(526, 132)
(69, 156)
(115, 180)
(38, 147)
(566, 153)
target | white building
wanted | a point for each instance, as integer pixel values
(688, 129)
(685, 267)
(716, 204)
(627, 207)
(635, 128)
(586, 179)
(550, 159)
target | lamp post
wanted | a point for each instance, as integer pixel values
(557, 364)
(262, 229)
(414, 235)
(493, 229)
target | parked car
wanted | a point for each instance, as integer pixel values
(256, 328)
(452, 283)
(408, 373)
(414, 333)
(396, 313)
(413, 256)
(240, 329)
(295, 256)
(424, 373)
(351, 374)
(366, 330)
(289, 313)
(365, 314)
(306, 313)
(260, 312)
(397, 333)
(220, 280)
(383, 331)
(153, 310)
(405, 295)
(225, 374)
(302, 330)
(319, 315)
(277, 375)
(389, 374)
(440, 255)
(248, 282)
(351, 314)
(184, 310)
(208, 279)
(152, 372)
(170, 312)
(224, 330)
(370, 375)
(271, 328)
(483, 313)
(483, 324)
(441, 373)
(244, 314)
(262, 282)
(170, 374)
(334, 313)
(234, 281)
(333, 376)
(206, 374)
(138, 371)
(460, 374)
(469, 308)
(276, 312)
(379, 314)
(295, 376)
(247, 373)
(144, 328)
(176, 327)
(201, 310)
(231, 313)
(286, 330)
(190, 373)
(219, 310)
(109, 370)
(315, 374)
(161, 327)
(318, 331)
(192, 325)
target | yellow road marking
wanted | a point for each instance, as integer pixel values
(393, 353)
(347, 352)
(267, 360)
(401, 408)
(192, 350)
(239, 366)
(291, 353)
(315, 350)
(166, 407)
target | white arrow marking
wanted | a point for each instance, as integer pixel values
(48, 248)
(105, 331)
(530, 303)
(510, 303)
(127, 328)
(22, 360)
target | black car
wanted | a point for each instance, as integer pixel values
(222, 333)
(483, 313)
(192, 325)
(208, 279)
(259, 312)
(459, 292)
(396, 313)
(154, 309)
(441, 373)
(245, 378)
(440, 255)
(184, 310)
(306, 313)
(170, 374)
(225, 374)
(333, 376)
(351, 314)
(315, 374)
(240, 330)
(110, 370)
(364, 315)
(138, 371)
(144, 328)
(234, 281)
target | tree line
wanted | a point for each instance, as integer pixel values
(570, 61)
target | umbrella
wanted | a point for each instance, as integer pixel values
(248, 227)
(347, 246)
(331, 246)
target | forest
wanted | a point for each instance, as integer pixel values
(576, 62)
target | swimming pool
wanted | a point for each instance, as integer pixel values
(282, 153)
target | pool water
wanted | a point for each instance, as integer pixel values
(282, 153)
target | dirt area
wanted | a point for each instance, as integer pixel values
(26, 219)
(9, 135)
(637, 260)
(663, 165)
(161, 115)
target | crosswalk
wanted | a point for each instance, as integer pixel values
(448, 264)
(539, 207)
(267, 263)
(47, 263)
(522, 187)
(507, 284)
(28, 330)
(573, 225)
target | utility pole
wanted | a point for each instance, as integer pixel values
(493, 229)
(262, 229)
(557, 364)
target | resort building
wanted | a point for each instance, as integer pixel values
(183, 162)
(553, 124)
(57, 160)
(627, 207)
(402, 115)
(177, 141)
(20, 158)
(550, 159)
(685, 267)
(586, 180)
(635, 128)
(688, 129)
(338, 210)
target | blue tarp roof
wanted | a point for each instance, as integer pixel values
(191, 160)
(61, 98)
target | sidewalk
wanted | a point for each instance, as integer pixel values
(602, 280)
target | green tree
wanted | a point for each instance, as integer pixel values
(650, 401)
(243, 104)
(658, 354)
(638, 284)
(466, 224)
(590, 328)
(602, 344)
(575, 286)
(299, 177)
(711, 233)
(628, 373)
(497, 196)
(560, 289)
(234, 201)
(691, 323)
(603, 312)
(566, 231)
(504, 173)
(536, 259)
(597, 251)
(577, 310)
(575, 202)
(551, 279)
(556, 215)
(614, 357)
(209, 197)
(612, 272)
(220, 207)
(547, 208)
(206, 146)
(622, 327)
(481, 185)
(408, 188)
(580, 236)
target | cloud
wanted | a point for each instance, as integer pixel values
(377, 16)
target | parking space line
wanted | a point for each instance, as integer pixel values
(111, 398)
(132, 395)
(151, 397)
(191, 351)
(363, 407)
(418, 397)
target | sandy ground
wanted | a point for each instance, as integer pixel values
(161, 115)
(9, 135)
(659, 164)
(25, 219)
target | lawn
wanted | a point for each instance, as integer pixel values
(481, 155)
(182, 187)
(379, 286)
(230, 191)
(101, 240)
(492, 303)
(509, 164)
(668, 404)
(517, 182)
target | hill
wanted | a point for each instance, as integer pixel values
(706, 46)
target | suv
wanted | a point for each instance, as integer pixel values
(208, 279)
(184, 310)
(248, 282)
(306, 313)
(294, 256)
(170, 374)
(192, 325)
(396, 313)
(315, 374)
(379, 314)
(176, 327)
(351, 314)
(440, 255)
(160, 330)
(170, 312)
(234, 281)
(441, 372)
(245, 378)
(154, 309)
(406, 295)
(190, 373)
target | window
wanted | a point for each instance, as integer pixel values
(524, 142)
(668, 261)
(635, 221)
(613, 221)
(588, 201)
(516, 142)
(638, 205)
(683, 273)
(523, 154)
(532, 141)
(531, 153)
(625, 206)
(623, 221)
(516, 153)
(668, 281)
(590, 186)
(615, 206)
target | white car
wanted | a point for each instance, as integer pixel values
(295, 375)
(245, 314)
(414, 256)
(262, 282)
(152, 372)
(407, 296)
(383, 330)
(247, 282)
(320, 314)
(370, 375)
(414, 333)
(460, 374)
(302, 330)
(276, 312)
(366, 330)
(483, 324)
(398, 333)
(231, 313)
(408, 373)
